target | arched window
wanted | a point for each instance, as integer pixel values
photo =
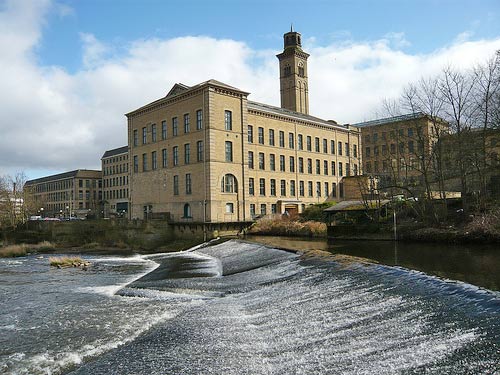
(229, 184)
(187, 211)
(301, 70)
(288, 70)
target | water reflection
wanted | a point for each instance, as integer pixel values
(475, 264)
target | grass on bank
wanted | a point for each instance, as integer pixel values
(11, 251)
(67, 261)
(278, 226)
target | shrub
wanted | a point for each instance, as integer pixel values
(13, 251)
(487, 224)
(67, 261)
(315, 212)
(284, 227)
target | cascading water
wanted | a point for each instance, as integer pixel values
(242, 308)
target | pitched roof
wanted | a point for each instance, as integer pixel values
(115, 151)
(58, 176)
(389, 120)
(292, 114)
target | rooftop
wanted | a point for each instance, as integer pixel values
(59, 176)
(115, 151)
(389, 120)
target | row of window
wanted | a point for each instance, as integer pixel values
(116, 194)
(115, 169)
(66, 184)
(115, 159)
(164, 133)
(392, 135)
(326, 167)
(150, 161)
(392, 164)
(323, 145)
(289, 188)
(403, 147)
(115, 181)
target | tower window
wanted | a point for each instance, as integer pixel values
(301, 70)
(288, 71)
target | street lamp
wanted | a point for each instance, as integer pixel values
(67, 210)
(41, 212)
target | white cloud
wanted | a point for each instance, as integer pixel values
(54, 120)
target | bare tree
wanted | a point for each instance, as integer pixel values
(457, 89)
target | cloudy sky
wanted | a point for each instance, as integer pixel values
(70, 69)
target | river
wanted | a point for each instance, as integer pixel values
(246, 308)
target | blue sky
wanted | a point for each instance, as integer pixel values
(75, 67)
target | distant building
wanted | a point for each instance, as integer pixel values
(206, 153)
(400, 150)
(75, 193)
(115, 171)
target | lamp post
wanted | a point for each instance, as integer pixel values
(67, 213)
(41, 212)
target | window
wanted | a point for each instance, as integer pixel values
(411, 146)
(340, 169)
(262, 186)
(187, 211)
(199, 151)
(309, 166)
(136, 164)
(154, 161)
(175, 156)
(368, 167)
(292, 164)
(175, 127)
(229, 151)
(136, 138)
(283, 188)
(176, 185)
(251, 186)
(250, 159)
(144, 135)
(300, 142)
(282, 163)
(355, 169)
(332, 147)
(318, 167)
(308, 143)
(340, 148)
(346, 149)
(355, 150)
(271, 137)
(292, 188)
(325, 167)
(229, 208)
(318, 189)
(252, 210)
(333, 168)
(229, 184)
(263, 209)
(164, 158)
(261, 136)
(334, 189)
(282, 138)
(410, 132)
(186, 123)
(301, 165)
(347, 169)
(325, 146)
(188, 183)
(274, 208)
(367, 138)
(228, 120)
(375, 150)
(250, 134)
(272, 162)
(199, 119)
(309, 188)
(164, 130)
(273, 187)
(301, 188)
(291, 141)
(367, 152)
(316, 144)
(144, 162)
(153, 133)
(384, 149)
(375, 137)
(261, 161)
(187, 153)
(401, 147)
(393, 148)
